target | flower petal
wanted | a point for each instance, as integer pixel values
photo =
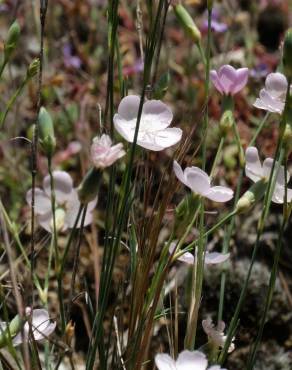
(42, 201)
(219, 194)
(279, 195)
(216, 82)
(197, 180)
(63, 186)
(45, 221)
(187, 257)
(269, 103)
(227, 77)
(160, 140)
(276, 84)
(124, 127)
(241, 80)
(191, 360)
(213, 258)
(164, 362)
(129, 106)
(179, 172)
(253, 167)
(158, 114)
(267, 168)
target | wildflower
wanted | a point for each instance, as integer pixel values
(272, 97)
(216, 25)
(216, 335)
(187, 360)
(41, 324)
(210, 258)
(70, 60)
(103, 153)
(154, 133)
(199, 182)
(228, 80)
(257, 171)
(67, 203)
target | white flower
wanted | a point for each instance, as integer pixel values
(42, 326)
(272, 97)
(216, 334)
(199, 182)
(154, 133)
(67, 203)
(103, 153)
(210, 258)
(187, 360)
(256, 171)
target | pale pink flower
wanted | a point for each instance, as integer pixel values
(103, 153)
(228, 80)
(67, 203)
(154, 133)
(187, 360)
(42, 326)
(216, 334)
(257, 171)
(210, 258)
(199, 182)
(272, 97)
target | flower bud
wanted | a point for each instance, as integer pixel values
(88, 189)
(209, 4)
(287, 54)
(184, 212)
(14, 326)
(33, 68)
(12, 39)
(251, 196)
(161, 87)
(187, 22)
(226, 122)
(47, 136)
(69, 332)
(287, 137)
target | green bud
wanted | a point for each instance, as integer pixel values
(226, 122)
(12, 39)
(46, 129)
(251, 196)
(209, 4)
(287, 54)
(88, 189)
(161, 87)
(13, 328)
(33, 68)
(287, 137)
(185, 211)
(187, 23)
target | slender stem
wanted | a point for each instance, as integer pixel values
(76, 263)
(217, 157)
(34, 145)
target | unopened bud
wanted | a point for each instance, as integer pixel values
(88, 189)
(187, 23)
(13, 328)
(47, 136)
(161, 87)
(33, 68)
(12, 39)
(209, 4)
(226, 122)
(287, 137)
(287, 54)
(69, 332)
(251, 196)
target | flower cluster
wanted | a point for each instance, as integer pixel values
(67, 203)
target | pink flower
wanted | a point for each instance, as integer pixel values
(199, 182)
(210, 258)
(103, 154)
(216, 334)
(42, 326)
(154, 133)
(67, 203)
(187, 360)
(228, 80)
(272, 97)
